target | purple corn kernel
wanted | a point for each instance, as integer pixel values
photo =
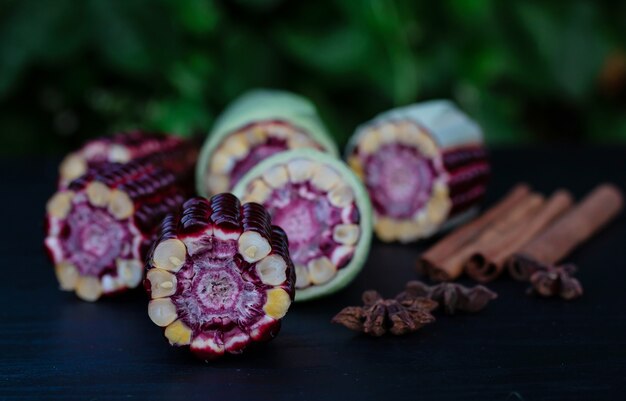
(100, 226)
(217, 291)
(422, 165)
(245, 147)
(119, 148)
(319, 203)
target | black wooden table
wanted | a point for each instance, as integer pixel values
(53, 346)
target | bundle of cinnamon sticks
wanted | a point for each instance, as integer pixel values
(522, 232)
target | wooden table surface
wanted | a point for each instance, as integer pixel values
(53, 346)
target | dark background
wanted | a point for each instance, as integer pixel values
(527, 70)
(547, 79)
(54, 346)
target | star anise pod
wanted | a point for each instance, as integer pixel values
(451, 296)
(378, 316)
(551, 281)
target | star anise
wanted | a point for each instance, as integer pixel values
(451, 296)
(378, 316)
(551, 281)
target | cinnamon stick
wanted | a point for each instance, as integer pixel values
(432, 262)
(488, 262)
(576, 226)
(522, 211)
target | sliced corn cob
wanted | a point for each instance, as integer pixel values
(219, 276)
(100, 226)
(119, 148)
(323, 208)
(424, 167)
(257, 125)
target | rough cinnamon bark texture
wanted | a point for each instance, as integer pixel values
(100, 225)
(501, 228)
(432, 262)
(488, 261)
(564, 235)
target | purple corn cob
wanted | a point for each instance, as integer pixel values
(100, 225)
(251, 144)
(324, 210)
(119, 148)
(423, 165)
(468, 171)
(255, 126)
(220, 276)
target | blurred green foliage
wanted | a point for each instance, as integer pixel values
(527, 70)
